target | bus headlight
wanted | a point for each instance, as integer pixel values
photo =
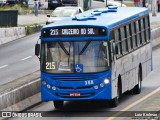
(106, 80)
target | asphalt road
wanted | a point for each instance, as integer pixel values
(100, 110)
(18, 59)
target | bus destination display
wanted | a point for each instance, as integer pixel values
(64, 32)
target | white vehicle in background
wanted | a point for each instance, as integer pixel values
(113, 3)
(62, 13)
(2, 2)
(42, 3)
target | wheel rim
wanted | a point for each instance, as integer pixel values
(139, 82)
(117, 93)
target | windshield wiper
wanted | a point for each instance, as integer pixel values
(63, 48)
(85, 47)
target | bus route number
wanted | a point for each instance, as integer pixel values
(53, 32)
(50, 66)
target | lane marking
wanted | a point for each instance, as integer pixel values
(26, 58)
(3, 66)
(133, 104)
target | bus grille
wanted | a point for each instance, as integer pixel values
(74, 77)
(71, 88)
(85, 91)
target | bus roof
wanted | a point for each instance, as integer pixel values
(108, 17)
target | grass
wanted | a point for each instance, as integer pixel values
(128, 4)
(30, 30)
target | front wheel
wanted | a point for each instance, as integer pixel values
(58, 104)
(114, 102)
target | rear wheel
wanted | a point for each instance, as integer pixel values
(137, 88)
(58, 104)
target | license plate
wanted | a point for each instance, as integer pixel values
(75, 94)
(54, 2)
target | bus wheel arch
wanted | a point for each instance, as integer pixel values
(115, 101)
(120, 85)
(138, 87)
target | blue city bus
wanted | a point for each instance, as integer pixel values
(96, 55)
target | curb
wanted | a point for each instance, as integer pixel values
(21, 93)
(24, 92)
(10, 34)
(14, 33)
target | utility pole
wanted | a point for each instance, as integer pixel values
(90, 4)
(106, 3)
(121, 2)
(154, 6)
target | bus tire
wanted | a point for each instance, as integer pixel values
(114, 102)
(58, 104)
(137, 88)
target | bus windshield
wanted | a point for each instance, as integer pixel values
(75, 57)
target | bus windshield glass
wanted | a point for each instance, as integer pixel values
(75, 57)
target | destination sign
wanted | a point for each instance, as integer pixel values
(76, 31)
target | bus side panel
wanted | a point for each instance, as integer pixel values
(145, 59)
(128, 67)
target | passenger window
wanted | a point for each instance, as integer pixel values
(147, 29)
(118, 42)
(142, 31)
(128, 36)
(124, 40)
(111, 35)
(133, 33)
(138, 33)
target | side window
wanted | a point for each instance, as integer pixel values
(111, 35)
(138, 33)
(124, 40)
(118, 42)
(128, 37)
(142, 31)
(147, 28)
(133, 33)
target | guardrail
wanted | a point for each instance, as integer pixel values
(24, 92)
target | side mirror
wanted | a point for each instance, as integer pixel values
(48, 15)
(37, 50)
